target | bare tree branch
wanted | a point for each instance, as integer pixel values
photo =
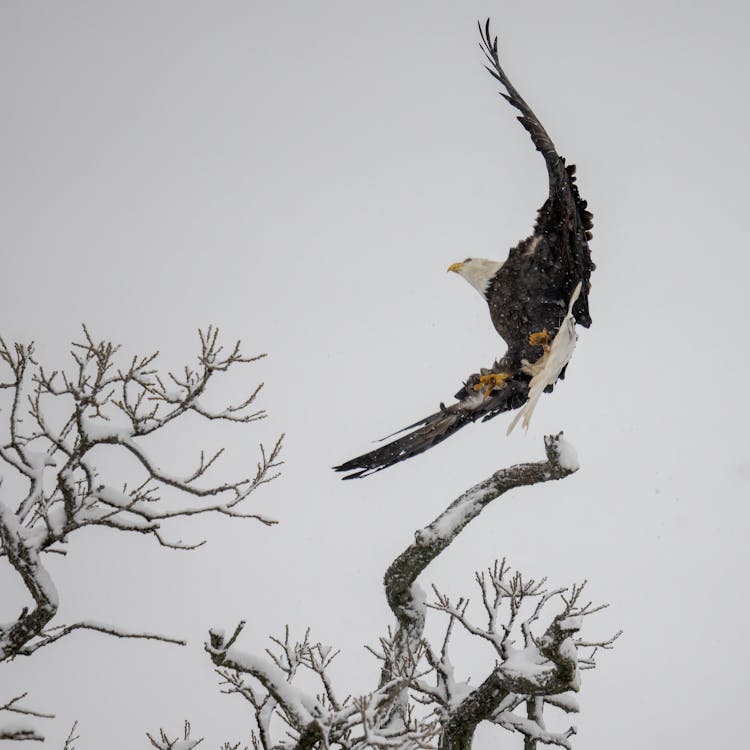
(419, 700)
(313, 720)
(21, 732)
(403, 599)
(71, 738)
(59, 631)
(434, 538)
(162, 742)
(54, 422)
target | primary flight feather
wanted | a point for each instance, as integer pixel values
(536, 296)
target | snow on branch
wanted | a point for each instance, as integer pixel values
(162, 742)
(547, 665)
(532, 668)
(50, 635)
(433, 539)
(319, 719)
(53, 421)
(532, 632)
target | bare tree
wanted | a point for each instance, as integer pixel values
(21, 731)
(71, 738)
(55, 421)
(536, 652)
(162, 741)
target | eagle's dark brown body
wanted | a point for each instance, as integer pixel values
(532, 289)
(528, 294)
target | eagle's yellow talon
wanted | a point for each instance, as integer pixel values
(489, 382)
(540, 338)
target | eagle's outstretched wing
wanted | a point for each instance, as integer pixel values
(564, 214)
(561, 233)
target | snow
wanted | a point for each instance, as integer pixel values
(9, 520)
(567, 455)
(19, 726)
(445, 525)
(118, 499)
(459, 691)
(527, 663)
(419, 597)
(38, 571)
(39, 460)
(572, 623)
(532, 729)
(99, 432)
(44, 580)
(294, 701)
(564, 701)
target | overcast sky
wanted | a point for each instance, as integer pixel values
(301, 174)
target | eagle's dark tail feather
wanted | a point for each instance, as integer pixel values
(437, 427)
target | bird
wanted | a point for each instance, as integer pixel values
(536, 297)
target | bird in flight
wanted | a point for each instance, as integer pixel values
(536, 296)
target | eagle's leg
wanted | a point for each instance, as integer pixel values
(540, 338)
(544, 340)
(491, 381)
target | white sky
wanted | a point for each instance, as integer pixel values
(302, 174)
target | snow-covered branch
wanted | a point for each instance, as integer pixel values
(162, 741)
(313, 719)
(539, 673)
(419, 701)
(54, 422)
(404, 595)
(544, 671)
(45, 637)
(433, 539)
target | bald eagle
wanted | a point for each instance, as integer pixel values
(536, 296)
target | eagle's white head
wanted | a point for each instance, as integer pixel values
(478, 272)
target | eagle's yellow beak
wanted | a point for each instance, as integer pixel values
(455, 267)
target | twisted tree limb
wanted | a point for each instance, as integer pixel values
(407, 711)
(433, 539)
(408, 609)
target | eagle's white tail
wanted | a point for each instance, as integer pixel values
(546, 370)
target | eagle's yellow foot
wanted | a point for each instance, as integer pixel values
(540, 338)
(488, 382)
